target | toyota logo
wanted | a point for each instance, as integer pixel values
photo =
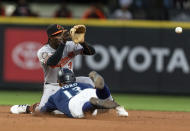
(24, 55)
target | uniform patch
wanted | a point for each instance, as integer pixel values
(44, 55)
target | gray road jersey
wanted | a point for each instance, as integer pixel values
(50, 72)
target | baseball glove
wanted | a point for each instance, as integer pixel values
(77, 33)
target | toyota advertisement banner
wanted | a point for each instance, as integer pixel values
(20, 60)
(138, 60)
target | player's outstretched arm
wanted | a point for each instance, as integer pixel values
(77, 34)
(56, 57)
(87, 49)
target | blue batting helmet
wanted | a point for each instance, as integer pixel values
(66, 76)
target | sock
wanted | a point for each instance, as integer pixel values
(28, 109)
(87, 107)
(103, 93)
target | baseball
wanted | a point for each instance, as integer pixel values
(178, 30)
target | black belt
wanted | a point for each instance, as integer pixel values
(47, 83)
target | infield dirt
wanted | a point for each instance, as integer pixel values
(137, 121)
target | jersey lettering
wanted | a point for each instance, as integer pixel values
(70, 93)
(63, 62)
(69, 86)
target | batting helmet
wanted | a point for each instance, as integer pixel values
(66, 76)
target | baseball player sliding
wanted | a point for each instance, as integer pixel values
(74, 99)
(59, 52)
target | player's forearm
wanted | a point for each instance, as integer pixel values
(56, 57)
(87, 49)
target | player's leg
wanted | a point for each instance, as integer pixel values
(103, 91)
(49, 89)
(77, 102)
(88, 80)
(83, 79)
(49, 106)
(96, 103)
(56, 102)
(87, 100)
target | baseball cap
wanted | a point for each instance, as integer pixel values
(54, 29)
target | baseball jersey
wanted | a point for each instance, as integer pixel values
(60, 100)
(50, 72)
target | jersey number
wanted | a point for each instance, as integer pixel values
(74, 92)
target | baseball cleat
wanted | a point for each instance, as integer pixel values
(121, 111)
(103, 104)
(19, 109)
(97, 79)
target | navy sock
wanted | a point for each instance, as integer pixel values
(103, 93)
(88, 107)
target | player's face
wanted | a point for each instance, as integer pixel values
(57, 39)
